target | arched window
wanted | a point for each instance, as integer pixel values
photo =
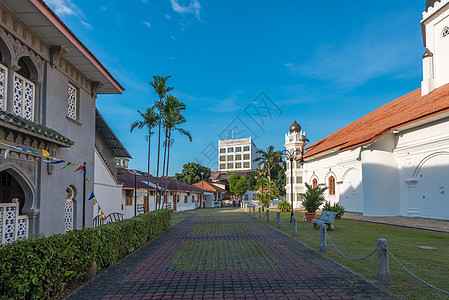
(332, 185)
(24, 89)
(314, 183)
(68, 209)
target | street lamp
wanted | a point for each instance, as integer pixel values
(261, 173)
(291, 156)
(202, 187)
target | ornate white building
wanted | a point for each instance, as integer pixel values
(395, 160)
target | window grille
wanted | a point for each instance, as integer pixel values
(68, 212)
(3, 82)
(23, 103)
(71, 101)
(331, 185)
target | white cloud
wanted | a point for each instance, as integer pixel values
(148, 24)
(172, 37)
(67, 8)
(64, 7)
(103, 7)
(167, 17)
(229, 104)
(367, 53)
(194, 7)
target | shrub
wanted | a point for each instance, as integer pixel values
(313, 198)
(337, 207)
(284, 206)
(46, 267)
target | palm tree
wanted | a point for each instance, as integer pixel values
(173, 119)
(171, 104)
(160, 89)
(149, 120)
(268, 159)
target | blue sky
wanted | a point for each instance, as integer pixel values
(251, 67)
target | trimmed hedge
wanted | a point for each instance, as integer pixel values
(47, 267)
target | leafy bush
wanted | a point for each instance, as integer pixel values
(313, 198)
(336, 207)
(284, 206)
(46, 267)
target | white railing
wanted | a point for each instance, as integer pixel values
(12, 225)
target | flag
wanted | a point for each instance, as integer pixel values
(58, 162)
(102, 214)
(6, 153)
(79, 168)
(91, 196)
(68, 164)
(99, 208)
(2, 143)
(87, 179)
(95, 202)
(33, 151)
(45, 153)
(24, 149)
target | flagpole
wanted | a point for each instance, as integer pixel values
(84, 196)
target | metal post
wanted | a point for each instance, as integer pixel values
(254, 210)
(294, 228)
(323, 244)
(249, 209)
(268, 215)
(260, 213)
(278, 219)
(262, 190)
(291, 184)
(84, 195)
(135, 194)
(383, 270)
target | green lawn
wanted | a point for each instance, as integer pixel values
(357, 239)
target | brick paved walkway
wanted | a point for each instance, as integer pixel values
(216, 254)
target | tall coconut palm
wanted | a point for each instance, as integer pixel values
(268, 159)
(149, 119)
(172, 104)
(173, 119)
(160, 88)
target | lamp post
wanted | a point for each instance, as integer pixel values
(202, 187)
(291, 156)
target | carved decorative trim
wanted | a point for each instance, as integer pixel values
(95, 87)
(56, 52)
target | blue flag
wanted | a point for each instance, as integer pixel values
(92, 196)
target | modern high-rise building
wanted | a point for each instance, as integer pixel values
(237, 155)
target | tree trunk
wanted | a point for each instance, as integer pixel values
(158, 151)
(147, 203)
(168, 160)
(164, 194)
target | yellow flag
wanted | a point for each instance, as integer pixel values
(101, 215)
(95, 201)
(87, 179)
(45, 153)
(2, 143)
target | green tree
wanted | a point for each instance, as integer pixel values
(240, 187)
(149, 120)
(232, 180)
(191, 173)
(270, 191)
(269, 162)
(172, 119)
(160, 88)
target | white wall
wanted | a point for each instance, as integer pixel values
(107, 192)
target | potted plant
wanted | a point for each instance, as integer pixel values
(312, 200)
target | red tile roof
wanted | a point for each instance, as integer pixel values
(210, 187)
(402, 111)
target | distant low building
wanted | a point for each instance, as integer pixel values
(181, 196)
(213, 194)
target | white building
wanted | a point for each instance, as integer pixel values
(237, 155)
(395, 160)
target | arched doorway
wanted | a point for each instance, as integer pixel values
(14, 224)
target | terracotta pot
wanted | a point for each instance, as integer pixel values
(310, 216)
(91, 272)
